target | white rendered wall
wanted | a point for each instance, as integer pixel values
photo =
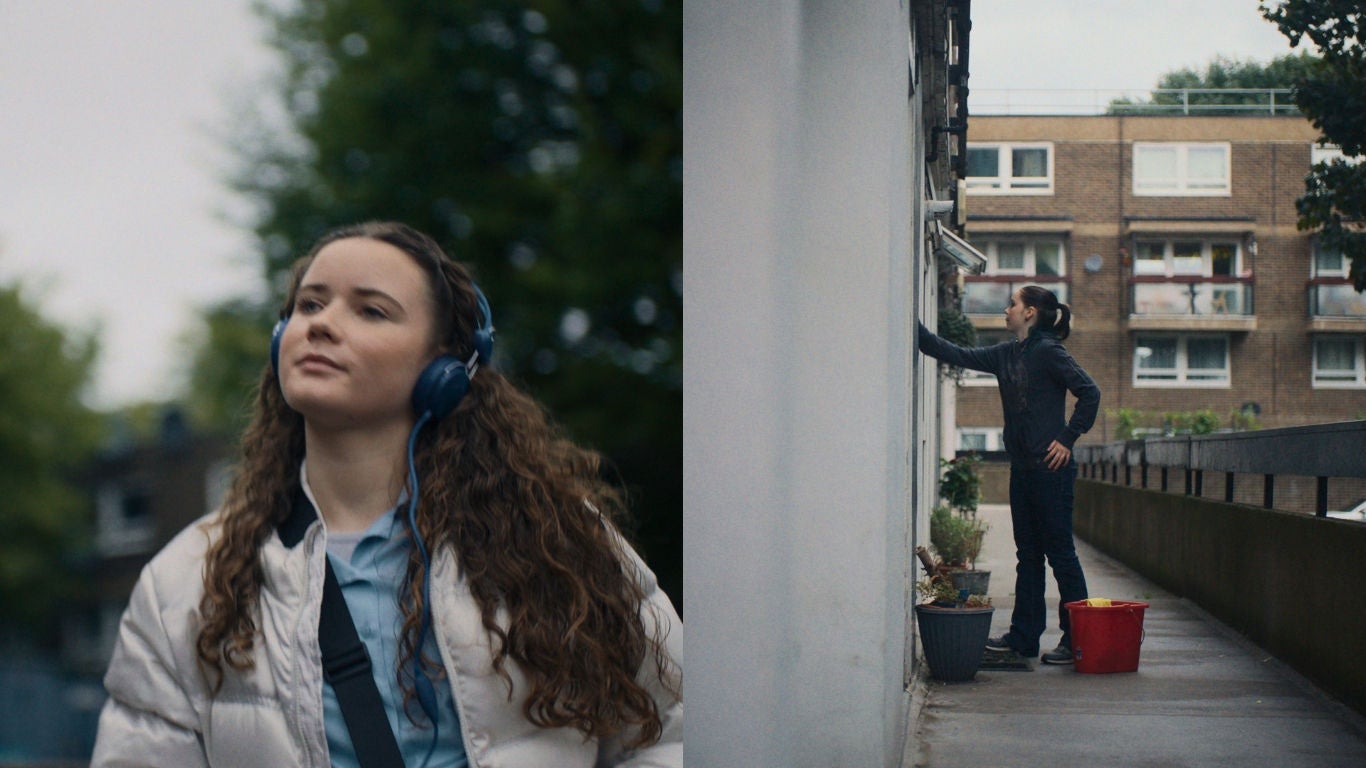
(801, 264)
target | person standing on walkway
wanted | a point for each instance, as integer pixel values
(1034, 373)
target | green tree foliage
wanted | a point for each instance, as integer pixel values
(1332, 94)
(1228, 77)
(228, 353)
(45, 433)
(1201, 422)
(540, 141)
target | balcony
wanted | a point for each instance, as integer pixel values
(1334, 305)
(985, 297)
(1160, 303)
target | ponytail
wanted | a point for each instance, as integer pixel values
(1054, 316)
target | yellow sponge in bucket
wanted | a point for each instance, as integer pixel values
(1098, 602)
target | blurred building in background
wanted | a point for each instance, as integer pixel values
(1199, 304)
(142, 492)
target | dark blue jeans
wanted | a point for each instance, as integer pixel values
(1041, 515)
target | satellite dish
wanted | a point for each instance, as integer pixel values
(1093, 262)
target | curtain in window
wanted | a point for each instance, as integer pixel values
(1029, 162)
(1047, 259)
(1327, 262)
(1336, 354)
(984, 162)
(1206, 354)
(1161, 353)
(1010, 257)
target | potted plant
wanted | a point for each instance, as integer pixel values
(953, 627)
(955, 531)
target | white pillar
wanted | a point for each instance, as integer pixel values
(799, 180)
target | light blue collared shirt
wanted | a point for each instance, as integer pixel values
(370, 580)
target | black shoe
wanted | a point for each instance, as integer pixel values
(1060, 655)
(999, 644)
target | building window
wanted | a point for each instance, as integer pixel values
(1339, 363)
(1181, 360)
(1038, 260)
(980, 439)
(1181, 169)
(1331, 293)
(985, 338)
(1327, 153)
(124, 522)
(1171, 258)
(1022, 256)
(1004, 169)
(1328, 262)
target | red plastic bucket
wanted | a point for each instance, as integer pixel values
(1106, 638)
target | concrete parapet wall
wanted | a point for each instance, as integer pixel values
(995, 477)
(1291, 582)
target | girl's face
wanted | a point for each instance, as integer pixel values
(361, 331)
(1018, 316)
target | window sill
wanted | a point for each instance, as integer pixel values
(1191, 322)
(1337, 324)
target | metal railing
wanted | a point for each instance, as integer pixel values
(1330, 297)
(1196, 296)
(990, 294)
(1321, 451)
(1149, 101)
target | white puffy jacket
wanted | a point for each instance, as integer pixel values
(160, 711)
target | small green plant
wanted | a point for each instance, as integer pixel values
(960, 484)
(956, 538)
(955, 327)
(1200, 422)
(1243, 420)
(1126, 420)
(939, 590)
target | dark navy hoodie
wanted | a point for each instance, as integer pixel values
(1034, 377)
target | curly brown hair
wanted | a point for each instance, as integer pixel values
(522, 506)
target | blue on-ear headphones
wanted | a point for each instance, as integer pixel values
(445, 380)
(440, 387)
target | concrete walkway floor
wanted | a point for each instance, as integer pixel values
(1202, 696)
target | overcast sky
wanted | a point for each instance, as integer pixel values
(1110, 44)
(110, 170)
(112, 163)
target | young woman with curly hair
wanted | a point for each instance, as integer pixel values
(547, 641)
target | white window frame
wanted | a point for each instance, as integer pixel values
(1314, 271)
(1182, 372)
(1181, 185)
(1324, 153)
(1358, 380)
(1206, 256)
(1005, 182)
(990, 247)
(994, 439)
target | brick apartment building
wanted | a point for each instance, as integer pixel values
(1174, 240)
